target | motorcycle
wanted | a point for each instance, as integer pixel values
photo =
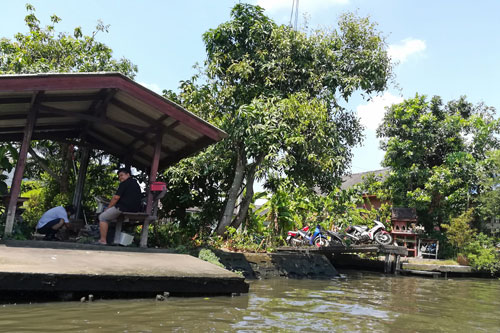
(361, 234)
(333, 237)
(303, 237)
(298, 237)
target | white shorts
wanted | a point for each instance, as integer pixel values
(110, 214)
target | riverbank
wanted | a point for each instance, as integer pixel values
(57, 268)
(302, 265)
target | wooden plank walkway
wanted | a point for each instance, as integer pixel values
(79, 271)
(338, 249)
(389, 251)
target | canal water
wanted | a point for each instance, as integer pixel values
(358, 302)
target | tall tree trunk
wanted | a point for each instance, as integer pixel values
(232, 194)
(247, 199)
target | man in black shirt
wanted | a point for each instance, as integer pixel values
(126, 199)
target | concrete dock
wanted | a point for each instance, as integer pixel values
(97, 270)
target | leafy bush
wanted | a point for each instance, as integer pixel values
(482, 255)
(170, 235)
(250, 242)
(459, 231)
(19, 230)
(34, 207)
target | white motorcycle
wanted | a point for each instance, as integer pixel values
(361, 234)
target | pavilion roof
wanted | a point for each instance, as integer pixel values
(107, 111)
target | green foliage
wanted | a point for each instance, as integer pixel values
(209, 256)
(434, 152)
(254, 56)
(459, 231)
(167, 235)
(196, 182)
(482, 255)
(43, 50)
(34, 207)
(489, 200)
(20, 230)
(248, 241)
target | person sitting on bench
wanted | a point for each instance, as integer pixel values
(126, 199)
(53, 220)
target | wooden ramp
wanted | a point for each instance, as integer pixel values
(124, 274)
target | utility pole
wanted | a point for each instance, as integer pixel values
(294, 14)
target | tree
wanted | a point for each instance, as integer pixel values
(489, 201)
(41, 50)
(434, 152)
(277, 93)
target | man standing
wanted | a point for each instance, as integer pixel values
(126, 199)
(53, 220)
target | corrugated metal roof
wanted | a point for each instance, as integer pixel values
(107, 111)
(356, 178)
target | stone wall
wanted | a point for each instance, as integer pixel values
(272, 265)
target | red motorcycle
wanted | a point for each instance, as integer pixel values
(298, 237)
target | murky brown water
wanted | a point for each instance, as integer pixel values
(362, 302)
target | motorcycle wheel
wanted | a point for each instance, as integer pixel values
(383, 238)
(321, 241)
(336, 241)
(295, 242)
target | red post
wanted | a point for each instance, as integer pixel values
(15, 188)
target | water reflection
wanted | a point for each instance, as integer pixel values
(361, 302)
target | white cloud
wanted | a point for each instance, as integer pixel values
(308, 6)
(407, 47)
(371, 114)
(152, 86)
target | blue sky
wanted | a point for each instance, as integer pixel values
(447, 48)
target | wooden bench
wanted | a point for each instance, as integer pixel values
(135, 218)
(131, 219)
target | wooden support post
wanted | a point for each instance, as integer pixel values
(397, 269)
(152, 178)
(82, 171)
(387, 263)
(15, 188)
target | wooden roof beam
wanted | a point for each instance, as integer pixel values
(44, 128)
(99, 107)
(79, 115)
(124, 150)
(50, 99)
(57, 136)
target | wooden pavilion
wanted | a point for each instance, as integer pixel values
(105, 111)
